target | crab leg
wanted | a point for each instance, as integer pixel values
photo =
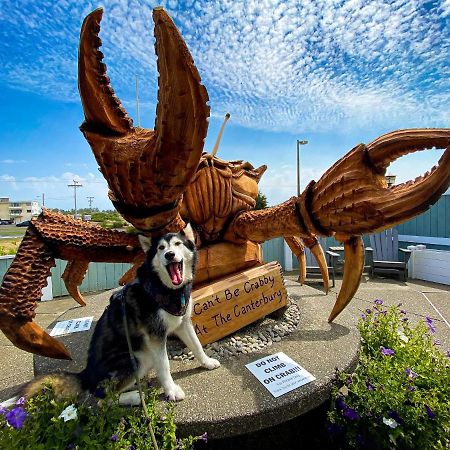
(51, 236)
(73, 276)
(147, 171)
(296, 246)
(353, 269)
(298, 249)
(352, 199)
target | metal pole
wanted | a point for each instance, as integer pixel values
(298, 164)
(90, 200)
(75, 185)
(298, 168)
(137, 102)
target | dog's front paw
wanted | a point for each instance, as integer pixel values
(174, 393)
(211, 363)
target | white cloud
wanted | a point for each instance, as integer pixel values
(56, 191)
(289, 66)
(12, 161)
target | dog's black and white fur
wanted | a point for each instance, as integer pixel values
(157, 304)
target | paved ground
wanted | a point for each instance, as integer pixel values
(420, 299)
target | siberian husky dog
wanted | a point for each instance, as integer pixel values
(157, 303)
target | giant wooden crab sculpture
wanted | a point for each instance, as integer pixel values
(159, 179)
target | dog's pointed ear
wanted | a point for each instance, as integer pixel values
(145, 242)
(189, 233)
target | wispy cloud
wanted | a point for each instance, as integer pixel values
(279, 65)
(12, 161)
(56, 191)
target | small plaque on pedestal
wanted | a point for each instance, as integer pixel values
(230, 304)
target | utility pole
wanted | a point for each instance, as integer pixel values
(298, 164)
(76, 184)
(90, 200)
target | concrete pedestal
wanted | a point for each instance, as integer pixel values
(230, 401)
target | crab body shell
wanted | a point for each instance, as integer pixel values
(217, 192)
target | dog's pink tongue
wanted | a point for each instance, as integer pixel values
(175, 274)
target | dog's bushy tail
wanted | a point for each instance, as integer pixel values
(64, 385)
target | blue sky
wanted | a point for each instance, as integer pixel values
(333, 72)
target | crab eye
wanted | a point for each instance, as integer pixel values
(161, 247)
(177, 243)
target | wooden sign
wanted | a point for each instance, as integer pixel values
(230, 304)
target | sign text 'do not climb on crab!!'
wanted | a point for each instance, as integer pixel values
(230, 304)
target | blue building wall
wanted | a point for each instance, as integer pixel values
(435, 222)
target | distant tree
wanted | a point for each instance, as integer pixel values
(261, 201)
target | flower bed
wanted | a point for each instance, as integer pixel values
(45, 423)
(398, 396)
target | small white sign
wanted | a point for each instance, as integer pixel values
(72, 326)
(279, 374)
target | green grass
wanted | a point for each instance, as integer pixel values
(6, 230)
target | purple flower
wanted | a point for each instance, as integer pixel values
(131, 447)
(402, 311)
(340, 403)
(363, 316)
(370, 386)
(379, 301)
(70, 446)
(20, 401)
(410, 373)
(404, 319)
(431, 328)
(349, 380)
(115, 437)
(437, 342)
(411, 388)
(100, 392)
(16, 417)
(3, 410)
(204, 437)
(429, 320)
(351, 414)
(429, 411)
(387, 351)
(448, 353)
(368, 311)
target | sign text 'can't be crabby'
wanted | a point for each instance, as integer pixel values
(230, 304)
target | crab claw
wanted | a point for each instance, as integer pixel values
(32, 338)
(20, 288)
(147, 171)
(352, 196)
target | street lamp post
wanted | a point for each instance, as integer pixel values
(298, 164)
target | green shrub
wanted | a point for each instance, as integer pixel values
(399, 394)
(44, 423)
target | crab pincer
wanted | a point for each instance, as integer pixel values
(147, 170)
